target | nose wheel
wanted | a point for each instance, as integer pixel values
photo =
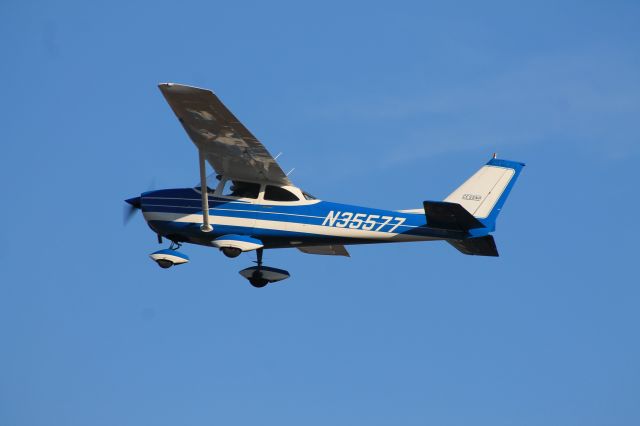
(169, 257)
(259, 276)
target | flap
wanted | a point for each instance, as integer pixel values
(332, 250)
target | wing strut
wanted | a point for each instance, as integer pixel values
(204, 190)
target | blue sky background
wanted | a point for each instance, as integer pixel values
(382, 104)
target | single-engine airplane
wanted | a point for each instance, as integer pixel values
(251, 205)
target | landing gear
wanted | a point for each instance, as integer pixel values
(259, 276)
(257, 280)
(259, 256)
(168, 257)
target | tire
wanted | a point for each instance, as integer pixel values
(258, 282)
(231, 252)
(164, 263)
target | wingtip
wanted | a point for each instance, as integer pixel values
(169, 85)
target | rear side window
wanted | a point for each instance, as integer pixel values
(308, 196)
(275, 193)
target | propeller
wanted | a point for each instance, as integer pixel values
(133, 205)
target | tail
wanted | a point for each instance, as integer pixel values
(484, 193)
(475, 205)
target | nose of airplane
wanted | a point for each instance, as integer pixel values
(135, 202)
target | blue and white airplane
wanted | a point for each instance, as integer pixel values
(252, 205)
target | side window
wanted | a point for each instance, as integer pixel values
(275, 193)
(210, 190)
(234, 188)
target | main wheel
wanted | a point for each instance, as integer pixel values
(164, 263)
(231, 251)
(257, 280)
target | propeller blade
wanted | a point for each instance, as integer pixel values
(130, 209)
(129, 212)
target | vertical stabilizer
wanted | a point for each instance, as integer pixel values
(484, 193)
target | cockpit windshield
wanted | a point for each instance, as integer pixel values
(212, 183)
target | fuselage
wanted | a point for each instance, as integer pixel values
(177, 215)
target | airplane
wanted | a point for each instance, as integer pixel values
(252, 205)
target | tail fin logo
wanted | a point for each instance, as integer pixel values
(472, 197)
(480, 193)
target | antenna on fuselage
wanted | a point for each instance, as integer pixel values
(276, 157)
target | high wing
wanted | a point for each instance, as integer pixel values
(227, 145)
(333, 250)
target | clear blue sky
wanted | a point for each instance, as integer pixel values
(383, 105)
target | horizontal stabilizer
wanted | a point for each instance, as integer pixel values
(481, 246)
(450, 216)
